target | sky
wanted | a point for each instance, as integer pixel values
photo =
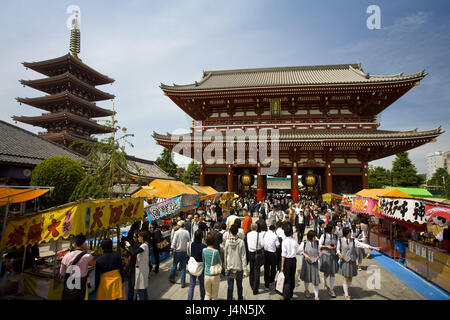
(141, 44)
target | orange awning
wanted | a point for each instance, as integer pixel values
(164, 189)
(378, 193)
(16, 195)
(206, 192)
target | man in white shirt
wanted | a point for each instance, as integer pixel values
(194, 225)
(178, 249)
(281, 236)
(255, 244)
(300, 223)
(271, 244)
(289, 251)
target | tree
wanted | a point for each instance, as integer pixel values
(63, 173)
(404, 173)
(192, 174)
(165, 162)
(107, 166)
(438, 178)
(379, 177)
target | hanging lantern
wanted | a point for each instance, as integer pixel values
(247, 179)
(309, 180)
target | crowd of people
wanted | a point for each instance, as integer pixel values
(250, 238)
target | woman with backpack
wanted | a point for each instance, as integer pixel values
(195, 250)
(346, 250)
(310, 263)
(328, 259)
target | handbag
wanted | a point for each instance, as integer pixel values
(280, 283)
(215, 269)
(194, 267)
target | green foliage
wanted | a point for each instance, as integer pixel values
(63, 173)
(438, 177)
(165, 162)
(404, 173)
(192, 174)
(447, 189)
(379, 177)
(107, 165)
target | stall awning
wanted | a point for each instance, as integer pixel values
(206, 192)
(415, 192)
(328, 197)
(9, 194)
(377, 193)
(164, 189)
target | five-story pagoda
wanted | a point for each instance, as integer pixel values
(72, 93)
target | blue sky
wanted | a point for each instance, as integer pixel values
(143, 43)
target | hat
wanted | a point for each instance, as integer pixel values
(181, 223)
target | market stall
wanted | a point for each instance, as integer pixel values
(60, 223)
(332, 198)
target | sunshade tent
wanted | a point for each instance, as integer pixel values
(327, 197)
(16, 195)
(415, 192)
(206, 192)
(164, 189)
(377, 193)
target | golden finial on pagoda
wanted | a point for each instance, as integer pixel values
(75, 36)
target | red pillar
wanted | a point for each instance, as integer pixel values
(329, 178)
(202, 176)
(230, 179)
(259, 185)
(294, 182)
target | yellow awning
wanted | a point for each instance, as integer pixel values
(165, 189)
(378, 193)
(206, 192)
(15, 195)
(327, 197)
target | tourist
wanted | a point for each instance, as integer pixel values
(321, 229)
(188, 224)
(338, 230)
(156, 238)
(247, 223)
(255, 245)
(346, 251)
(310, 266)
(315, 215)
(308, 216)
(272, 218)
(328, 259)
(281, 236)
(231, 218)
(194, 225)
(358, 234)
(300, 222)
(196, 250)
(80, 257)
(130, 269)
(109, 273)
(271, 244)
(235, 262)
(289, 252)
(178, 250)
(211, 257)
(142, 265)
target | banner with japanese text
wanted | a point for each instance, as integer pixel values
(366, 205)
(403, 209)
(164, 208)
(71, 219)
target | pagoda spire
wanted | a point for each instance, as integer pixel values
(75, 36)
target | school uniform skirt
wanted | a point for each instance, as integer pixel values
(329, 264)
(310, 272)
(348, 269)
(360, 254)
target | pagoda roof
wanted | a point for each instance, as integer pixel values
(45, 101)
(22, 147)
(43, 85)
(47, 67)
(333, 135)
(321, 75)
(52, 117)
(64, 135)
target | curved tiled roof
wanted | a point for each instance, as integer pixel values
(289, 76)
(23, 147)
(315, 135)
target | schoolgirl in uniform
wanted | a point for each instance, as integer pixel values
(338, 229)
(309, 272)
(358, 234)
(346, 250)
(328, 258)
